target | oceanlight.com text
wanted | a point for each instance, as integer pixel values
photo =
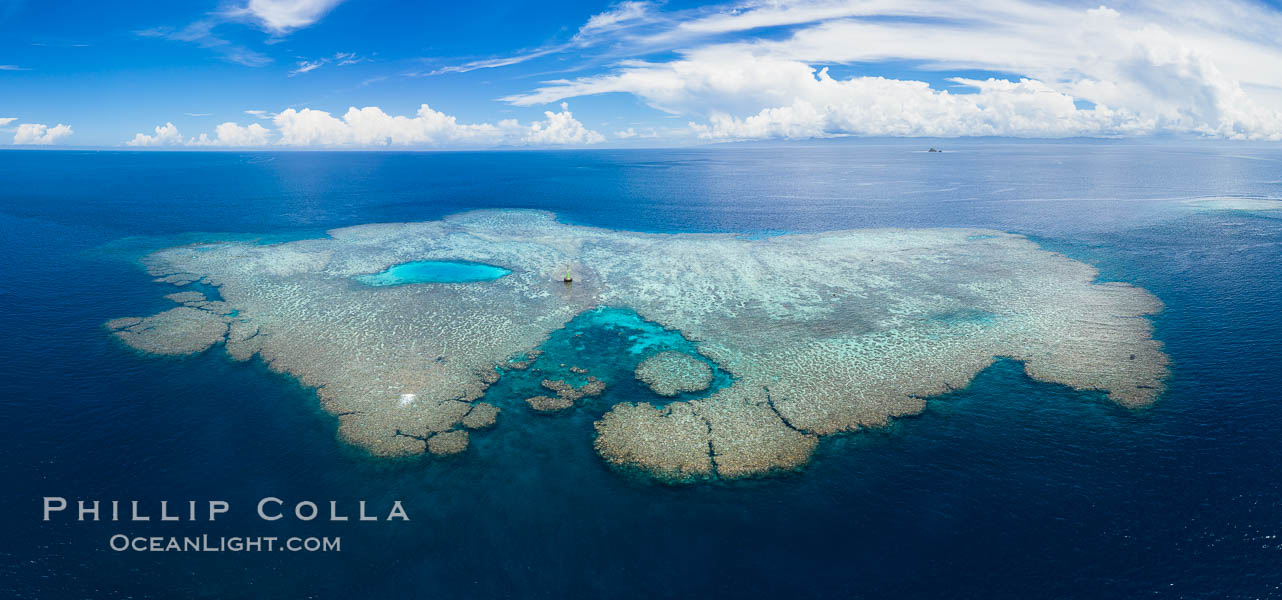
(203, 543)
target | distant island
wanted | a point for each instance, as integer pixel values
(822, 333)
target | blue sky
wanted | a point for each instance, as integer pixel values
(356, 73)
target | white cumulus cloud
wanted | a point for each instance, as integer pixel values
(40, 134)
(226, 134)
(874, 106)
(7, 120)
(231, 134)
(166, 135)
(372, 127)
(631, 132)
(560, 128)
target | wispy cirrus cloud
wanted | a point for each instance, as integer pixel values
(347, 58)
(13, 68)
(202, 34)
(618, 16)
(491, 63)
(597, 28)
(305, 66)
(60, 44)
(339, 59)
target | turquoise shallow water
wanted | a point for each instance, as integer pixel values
(1007, 489)
(609, 342)
(433, 271)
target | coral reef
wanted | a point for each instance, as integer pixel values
(566, 394)
(670, 373)
(822, 333)
(564, 389)
(448, 442)
(181, 330)
(482, 416)
(549, 403)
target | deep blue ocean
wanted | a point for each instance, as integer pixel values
(1007, 489)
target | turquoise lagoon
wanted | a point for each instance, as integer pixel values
(433, 271)
(609, 342)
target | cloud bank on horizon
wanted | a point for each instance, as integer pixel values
(371, 127)
(773, 69)
(1156, 70)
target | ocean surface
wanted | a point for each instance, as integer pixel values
(1009, 488)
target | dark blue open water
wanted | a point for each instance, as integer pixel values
(1008, 489)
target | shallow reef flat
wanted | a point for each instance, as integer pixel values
(1243, 203)
(822, 333)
